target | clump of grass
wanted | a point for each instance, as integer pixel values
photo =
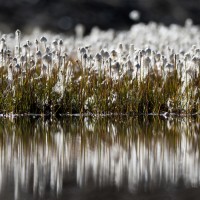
(56, 76)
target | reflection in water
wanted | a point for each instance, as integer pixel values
(143, 154)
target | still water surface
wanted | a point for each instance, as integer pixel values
(99, 158)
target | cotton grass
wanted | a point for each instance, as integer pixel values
(147, 69)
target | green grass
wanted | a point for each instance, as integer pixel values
(97, 93)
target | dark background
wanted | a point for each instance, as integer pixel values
(63, 15)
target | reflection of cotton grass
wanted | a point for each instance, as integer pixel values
(138, 65)
(104, 151)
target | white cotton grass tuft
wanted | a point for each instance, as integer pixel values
(140, 54)
(79, 31)
(134, 15)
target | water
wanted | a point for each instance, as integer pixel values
(99, 158)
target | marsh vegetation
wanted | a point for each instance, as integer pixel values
(148, 69)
